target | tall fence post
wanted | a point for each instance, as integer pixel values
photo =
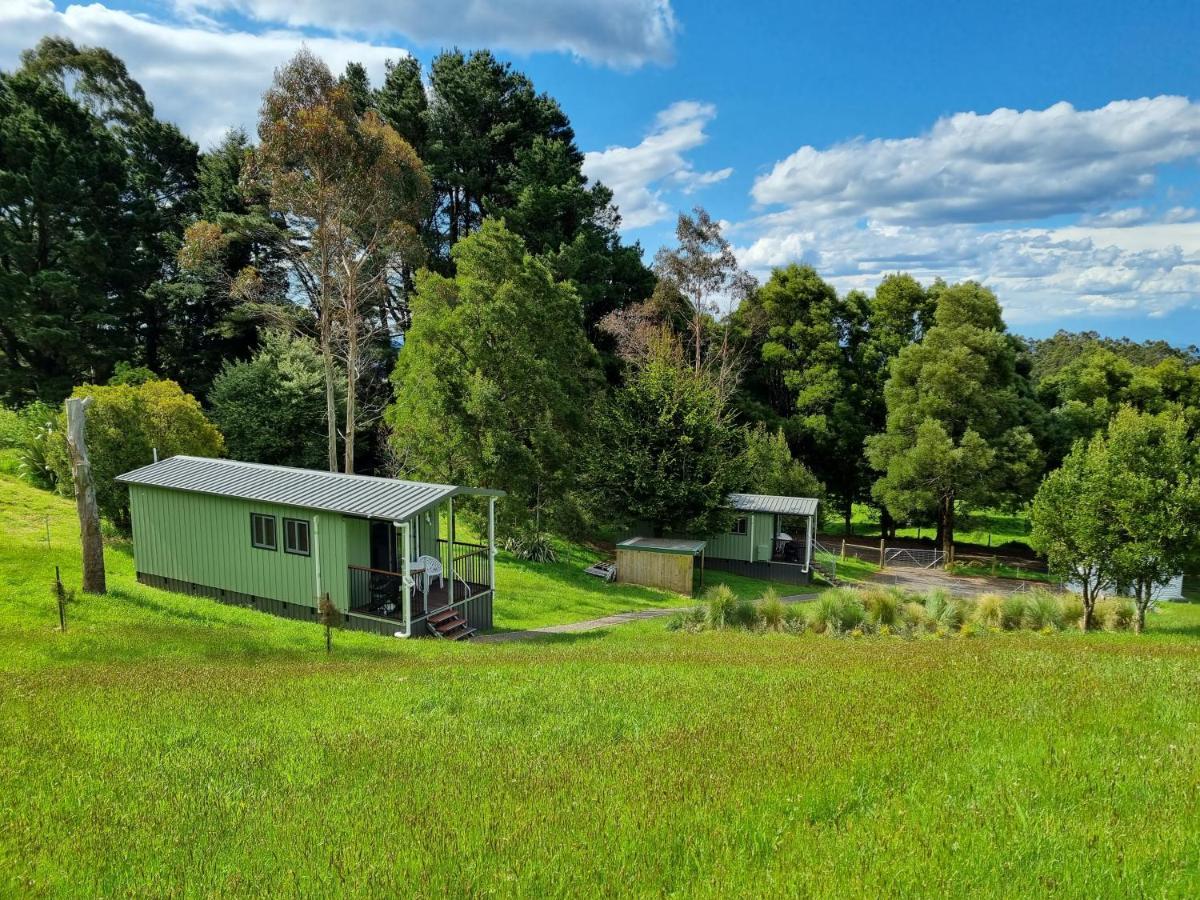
(843, 549)
(882, 549)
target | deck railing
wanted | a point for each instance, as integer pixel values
(377, 590)
(470, 561)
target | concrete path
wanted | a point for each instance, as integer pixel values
(502, 637)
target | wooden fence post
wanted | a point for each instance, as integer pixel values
(85, 496)
(60, 595)
(843, 549)
(882, 548)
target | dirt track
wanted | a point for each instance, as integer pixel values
(921, 580)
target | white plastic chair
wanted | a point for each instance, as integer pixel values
(432, 568)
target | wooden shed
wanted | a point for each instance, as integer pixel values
(278, 539)
(667, 563)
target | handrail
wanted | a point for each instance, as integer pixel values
(415, 570)
(428, 613)
(463, 544)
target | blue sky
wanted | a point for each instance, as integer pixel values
(1047, 149)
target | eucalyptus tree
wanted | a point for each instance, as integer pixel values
(342, 198)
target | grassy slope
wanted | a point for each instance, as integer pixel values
(977, 529)
(168, 744)
(529, 595)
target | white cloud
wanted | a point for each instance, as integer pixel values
(620, 33)
(199, 76)
(1000, 166)
(639, 175)
(1038, 274)
(958, 202)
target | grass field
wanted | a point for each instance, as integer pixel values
(987, 528)
(167, 745)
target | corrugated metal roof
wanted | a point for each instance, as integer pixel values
(663, 545)
(356, 495)
(768, 503)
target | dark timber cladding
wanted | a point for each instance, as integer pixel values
(278, 539)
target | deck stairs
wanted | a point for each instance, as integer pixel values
(824, 563)
(450, 624)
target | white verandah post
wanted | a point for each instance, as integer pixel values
(492, 544)
(450, 551)
(808, 543)
(406, 569)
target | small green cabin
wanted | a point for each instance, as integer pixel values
(278, 539)
(770, 537)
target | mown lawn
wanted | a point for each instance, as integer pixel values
(167, 745)
(984, 527)
(530, 595)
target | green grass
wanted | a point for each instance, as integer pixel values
(1002, 571)
(985, 527)
(531, 595)
(168, 745)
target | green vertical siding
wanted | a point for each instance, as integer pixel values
(754, 545)
(205, 540)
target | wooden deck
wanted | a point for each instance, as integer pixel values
(439, 598)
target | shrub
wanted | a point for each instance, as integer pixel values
(1012, 611)
(125, 424)
(1115, 614)
(271, 407)
(1042, 611)
(1070, 607)
(532, 547)
(794, 619)
(720, 601)
(837, 610)
(882, 606)
(743, 615)
(913, 616)
(771, 610)
(988, 610)
(943, 611)
(692, 620)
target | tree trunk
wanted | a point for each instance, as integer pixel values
(848, 516)
(351, 380)
(947, 518)
(330, 393)
(85, 497)
(887, 525)
(1089, 603)
(1140, 602)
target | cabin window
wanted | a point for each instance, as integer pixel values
(262, 531)
(739, 525)
(295, 536)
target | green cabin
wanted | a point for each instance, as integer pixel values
(278, 539)
(771, 537)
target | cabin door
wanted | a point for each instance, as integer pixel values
(383, 546)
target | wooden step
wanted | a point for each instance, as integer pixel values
(443, 615)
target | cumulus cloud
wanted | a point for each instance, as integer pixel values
(204, 78)
(996, 167)
(1038, 273)
(965, 199)
(620, 33)
(639, 175)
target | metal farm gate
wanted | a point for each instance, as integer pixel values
(921, 559)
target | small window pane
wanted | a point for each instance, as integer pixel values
(739, 526)
(295, 537)
(262, 531)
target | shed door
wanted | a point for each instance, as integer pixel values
(383, 546)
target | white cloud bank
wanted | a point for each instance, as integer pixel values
(619, 33)
(640, 175)
(965, 199)
(201, 77)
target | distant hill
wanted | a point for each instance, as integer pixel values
(1051, 354)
